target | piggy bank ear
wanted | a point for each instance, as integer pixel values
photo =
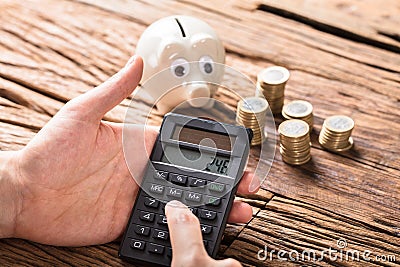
(168, 49)
(205, 44)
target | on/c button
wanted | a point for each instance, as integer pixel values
(216, 187)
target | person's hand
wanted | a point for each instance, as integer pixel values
(71, 182)
(186, 239)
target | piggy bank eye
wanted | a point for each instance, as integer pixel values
(180, 68)
(206, 64)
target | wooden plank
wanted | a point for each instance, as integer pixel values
(365, 21)
(291, 225)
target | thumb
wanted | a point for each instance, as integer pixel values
(185, 233)
(94, 104)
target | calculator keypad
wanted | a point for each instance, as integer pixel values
(205, 198)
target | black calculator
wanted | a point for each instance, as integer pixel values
(198, 162)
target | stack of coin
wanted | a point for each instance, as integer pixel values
(251, 113)
(299, 109)
(295, 144)
(336, 133)
(271, 84)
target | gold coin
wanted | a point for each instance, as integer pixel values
(273, 76)
(253, 105)
(339, 123)
(293, 128)
(297, 109)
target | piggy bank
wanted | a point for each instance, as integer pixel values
(183, 62)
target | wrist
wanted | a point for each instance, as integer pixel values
(10, 198)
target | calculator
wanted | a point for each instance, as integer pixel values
(198, 162)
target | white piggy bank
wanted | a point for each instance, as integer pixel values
(190, 49)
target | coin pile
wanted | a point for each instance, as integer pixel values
(299, 109)
(295, 144)
(251, 113)
(336, 133)
(271, 84)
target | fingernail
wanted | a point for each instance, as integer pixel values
(254, 187)
(131, 60)
(175, 204)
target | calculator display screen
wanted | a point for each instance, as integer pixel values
(200, 137)
(195, 159)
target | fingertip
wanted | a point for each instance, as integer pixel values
(241, 212)
(172, 205)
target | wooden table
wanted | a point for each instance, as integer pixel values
(343, 57)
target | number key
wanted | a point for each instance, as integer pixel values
(146, 216)
(162, 220)
(137, 244)
(142, 230)
(151, 202)
(160, 234)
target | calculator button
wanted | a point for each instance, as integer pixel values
(216, 187)
(146, 216)
(193, 210)
(151, 202)
(205, 229)
(162, 220)
(156, 188)
(191, 196)
(174, 192)
(177, 178)
(195, 182)
(213, 201)
(162, 175)
(154, 248)
(207, 214)
(160, 234)
(137, 244)
(142, 230)
(205, 242)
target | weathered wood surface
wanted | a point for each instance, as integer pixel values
(343, 57)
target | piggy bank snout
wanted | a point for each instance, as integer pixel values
(198, 94)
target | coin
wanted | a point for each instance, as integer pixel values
(295, 146)
(336, 132)
(339, 123)
(271, 84)
(299, 109)
(293, 128)
(251, 113)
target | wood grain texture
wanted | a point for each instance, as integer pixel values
(52, 51)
